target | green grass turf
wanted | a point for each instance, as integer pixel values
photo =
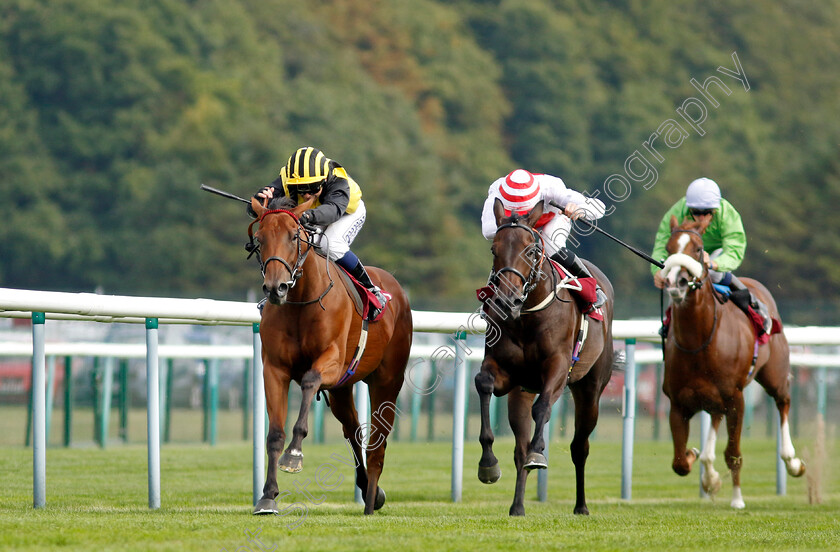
(97, 500)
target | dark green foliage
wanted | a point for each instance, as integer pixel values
(114, 111)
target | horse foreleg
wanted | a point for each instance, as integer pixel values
(277, 395)
(519, 403)
(344, 410)
(683, 459)
(488, 464)
(711, 479)
(292, 459)
(734, 422)
(553, 386)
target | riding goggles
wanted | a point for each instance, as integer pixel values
(700, 212)
(311, 188)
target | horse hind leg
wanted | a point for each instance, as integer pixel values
(488, 466)
(711, 480)
(292, 459)
(384, 412)
(795, 466)
(344, 410)
(342, 407)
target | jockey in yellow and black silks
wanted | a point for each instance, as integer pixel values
(338, 208)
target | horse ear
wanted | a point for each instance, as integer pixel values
(498, 211)
(674, 222)
(536, 213)
(304, 206)
(704, 224)
(257, 207)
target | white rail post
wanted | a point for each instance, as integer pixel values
(39, 421)
(258, 414)
(458, 414)
(363, 412)
(629, 419)
(153, 411)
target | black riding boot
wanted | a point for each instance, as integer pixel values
(360, 274)
(755, 303)
(573, 264)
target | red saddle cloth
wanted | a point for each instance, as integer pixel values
(755, 318)
(368, 299)
(582, 289)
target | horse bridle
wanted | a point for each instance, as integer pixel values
(694, 285)
(295, 271)
(529, 283)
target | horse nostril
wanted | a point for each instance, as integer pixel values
(282, 289)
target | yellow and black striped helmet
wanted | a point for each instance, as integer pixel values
(306, 166)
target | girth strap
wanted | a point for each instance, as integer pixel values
(357, 356)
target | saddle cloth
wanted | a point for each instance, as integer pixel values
(755, 318)
(362, 298)
(582, 289)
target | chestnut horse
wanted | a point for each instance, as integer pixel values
(310, 333)
(533, 327)
(709, 360)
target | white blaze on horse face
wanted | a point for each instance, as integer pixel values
(682, 242)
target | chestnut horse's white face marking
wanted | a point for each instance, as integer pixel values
(676, 269)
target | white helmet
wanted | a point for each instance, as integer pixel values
(703, 193)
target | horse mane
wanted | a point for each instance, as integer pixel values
(282, 202)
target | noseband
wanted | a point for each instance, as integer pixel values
(531, 281)
(295, 271)
(695, 283)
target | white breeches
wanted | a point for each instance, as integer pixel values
(554, 234)
(339, 235)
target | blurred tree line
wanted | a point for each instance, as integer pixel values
(113, 112)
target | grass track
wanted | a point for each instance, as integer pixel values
(97, 500)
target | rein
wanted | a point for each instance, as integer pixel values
(297, 270)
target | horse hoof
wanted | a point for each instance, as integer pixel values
(265, 506)
(517, 510)
(380, 499)
(582, 510)
(291, 462)
(712, 487)
(738, 503)
(535, 461)
(489, 474)
(796, 468)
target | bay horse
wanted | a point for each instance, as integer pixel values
(535, 325)
(311, 334)
(711, 354)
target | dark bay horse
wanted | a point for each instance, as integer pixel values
(310, 334)
(709, 360)
(535, 326)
